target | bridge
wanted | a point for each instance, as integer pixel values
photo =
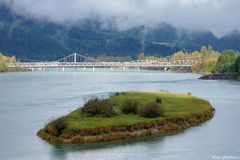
(80, 61)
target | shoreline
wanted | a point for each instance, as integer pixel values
(182, 112)
(129, 132)
(219, 76)
(9, 70)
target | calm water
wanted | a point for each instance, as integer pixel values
(30, 100)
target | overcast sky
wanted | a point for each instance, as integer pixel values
(219, 16)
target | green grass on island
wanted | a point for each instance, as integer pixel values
(173, 107)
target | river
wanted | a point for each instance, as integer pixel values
(29, 100)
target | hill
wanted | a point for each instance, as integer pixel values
(36, 39)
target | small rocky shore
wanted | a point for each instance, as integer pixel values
(219, 76)
(127, 132)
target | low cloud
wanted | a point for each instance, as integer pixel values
(219, 16)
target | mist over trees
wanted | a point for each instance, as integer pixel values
(39, 40)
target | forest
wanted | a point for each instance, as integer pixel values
(210, 61)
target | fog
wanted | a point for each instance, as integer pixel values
(219, 16)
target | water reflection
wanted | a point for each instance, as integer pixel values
(61, 151)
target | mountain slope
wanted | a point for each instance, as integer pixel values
(34, 39)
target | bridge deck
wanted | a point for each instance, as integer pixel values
(77, 60)
(96, 64)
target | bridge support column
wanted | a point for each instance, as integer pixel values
(75, 57)
(123, 69)
(57, 68)
(93, 69)
(62, 69)
(111, 68)
(138, 68)
(32, 69)
(165, 69)
(84, 68)
(44, 69)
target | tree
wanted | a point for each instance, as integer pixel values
(2, 67)
(180, 55)
(204, 61)
(196, 57)
(141, 56)
(211, 61)
(226, 62)
(237, 65)
(4, 60)
(207, 60)
(204, 52)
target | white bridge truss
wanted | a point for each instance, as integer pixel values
(77, 61)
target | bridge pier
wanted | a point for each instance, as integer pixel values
(138, 68)
(165, 69)
(93, 69)
(111, 68)
(84, 68)
(32, 69)
(62, 69)
(123, 69)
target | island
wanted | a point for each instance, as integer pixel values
(128, 115)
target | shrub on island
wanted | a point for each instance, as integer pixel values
(98, 107)
(129, 106)
(158, 100)
(58, 126)
(151, 110)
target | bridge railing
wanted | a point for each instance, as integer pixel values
(72, 61)
(96, 64)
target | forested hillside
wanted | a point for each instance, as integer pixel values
(35, 39)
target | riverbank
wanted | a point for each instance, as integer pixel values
(4, 69)
(17, 70)
(180, 112)
(14, 70)
(220, 76)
